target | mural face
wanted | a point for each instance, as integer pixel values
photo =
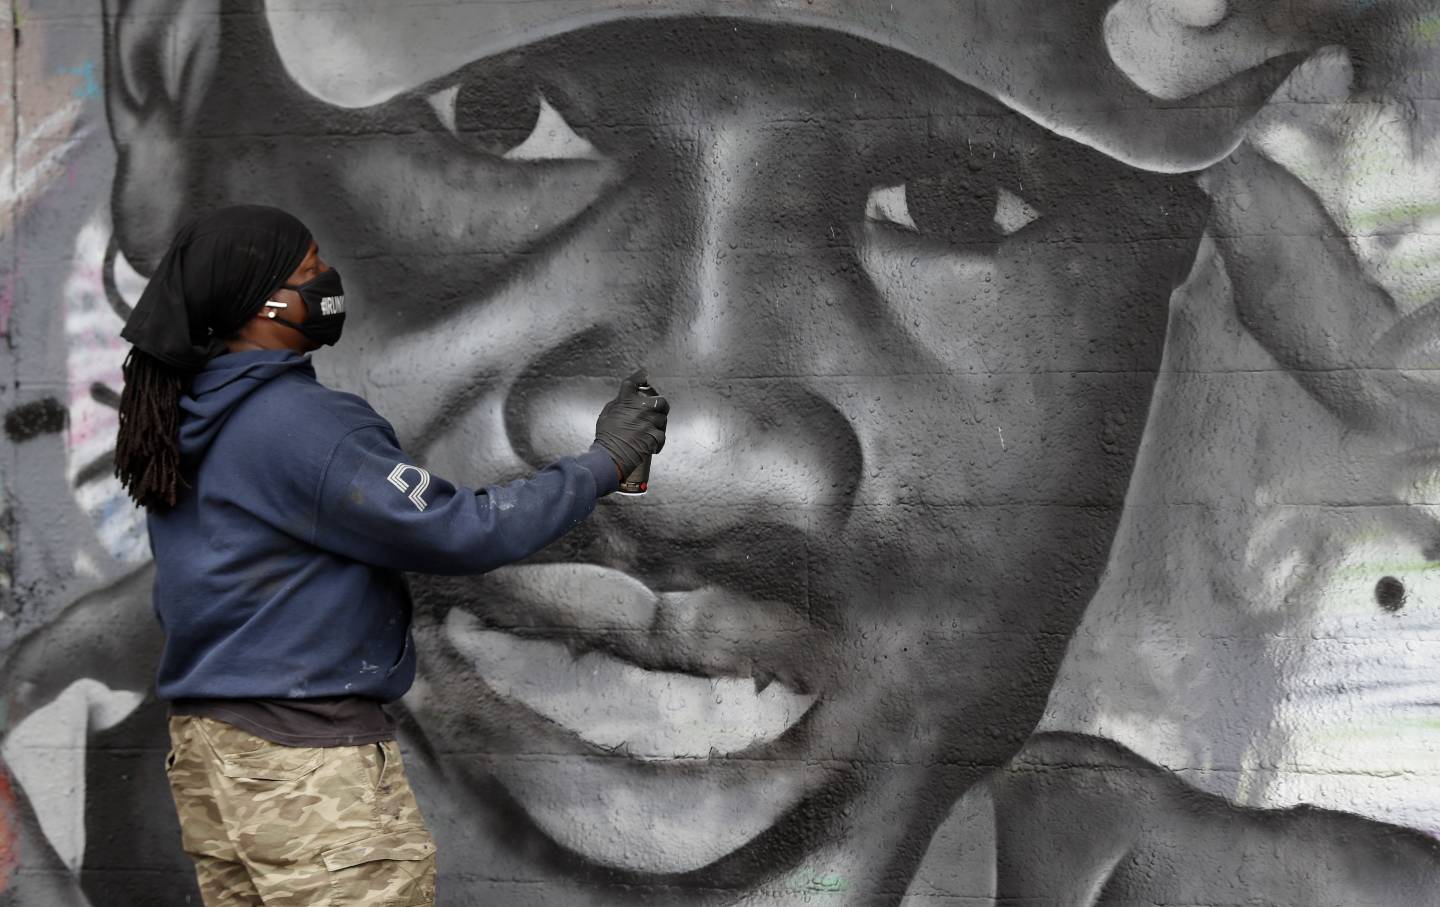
(937, 294)
(778, 673)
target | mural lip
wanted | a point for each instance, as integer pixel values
(617, 707)
(709, 631)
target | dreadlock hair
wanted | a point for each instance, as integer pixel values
(147, 450)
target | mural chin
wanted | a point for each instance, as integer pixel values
(667, 742)
(643, 770)
(654, 819)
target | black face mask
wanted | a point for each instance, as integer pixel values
(324, 308)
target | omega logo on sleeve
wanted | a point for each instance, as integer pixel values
(397, 478)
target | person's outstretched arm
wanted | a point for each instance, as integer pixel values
(377, 506)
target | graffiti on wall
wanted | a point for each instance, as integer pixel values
(1092, 560)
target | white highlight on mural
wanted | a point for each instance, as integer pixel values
(1359, 725)
(1013, 213)
(1195, 13)
(1177, 48)
(576, 595)
(553, 139)
(94, 353)
(39, 155)
(443, 103)
(889, 204)
(46, 754)
(620, 706)
(1373, 164)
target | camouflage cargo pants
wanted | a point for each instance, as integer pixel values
(280, 825)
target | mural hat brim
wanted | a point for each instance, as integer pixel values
(1047, 59)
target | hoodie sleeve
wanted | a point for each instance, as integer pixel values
(377, 506)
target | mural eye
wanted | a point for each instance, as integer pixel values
(552, 139)
(887, 204)
(954, 210)
(517, 128)
(1013, 213)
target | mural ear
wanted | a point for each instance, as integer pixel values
(160, 56)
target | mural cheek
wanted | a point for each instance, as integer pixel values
(1361, 708)
(438, 337)
(424, 195)
(1047, 354)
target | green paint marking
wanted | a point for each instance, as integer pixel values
(1400, 214)
(1386, 731)
(1424, 724)
(1414, 258)
(827, 883)
(1387, 567)
(1428, 29)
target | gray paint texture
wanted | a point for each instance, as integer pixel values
(1086, 553)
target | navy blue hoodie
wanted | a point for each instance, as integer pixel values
(278, 573)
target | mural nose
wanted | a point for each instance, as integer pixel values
(729, 442)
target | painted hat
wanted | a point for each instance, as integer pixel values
(1165, 85)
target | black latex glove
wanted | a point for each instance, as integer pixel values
(632, 425)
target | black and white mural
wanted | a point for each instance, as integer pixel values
(1092, 556)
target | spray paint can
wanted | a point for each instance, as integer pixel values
(638, 481)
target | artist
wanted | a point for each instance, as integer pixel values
(281, 514)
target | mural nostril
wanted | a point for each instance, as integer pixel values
(551, 407)
(1390, 594)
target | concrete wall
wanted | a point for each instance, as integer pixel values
(1089, 529)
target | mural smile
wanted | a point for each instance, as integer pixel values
(629, 670)
(621, 707)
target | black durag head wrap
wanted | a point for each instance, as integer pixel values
(217, 274)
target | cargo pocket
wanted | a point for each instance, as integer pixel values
(245, 757)
(394, 869)
(277, 763)
(264, 760)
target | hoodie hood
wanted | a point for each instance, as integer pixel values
(222, 385)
